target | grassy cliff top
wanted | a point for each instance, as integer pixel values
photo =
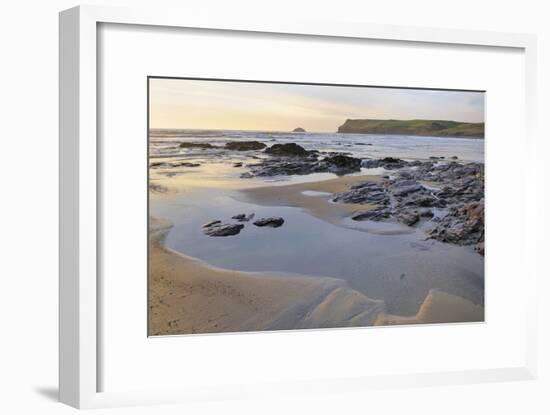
(414, 127)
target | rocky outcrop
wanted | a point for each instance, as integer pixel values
(292, 159)
(287, 150)
(453, 205)
(463, 225)
(299, 130)
(388, 163)
(341, 164)
(245, 145)
(365, 192)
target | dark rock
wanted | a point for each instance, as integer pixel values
(423, 200)
(275, 166)
(366, 192)
(341, 164)
(222, 230)
(454, 158)
(463, 225)
(212, 223)
(391, 160)
(185, 164)
(299, 130)
(273, 222)
(238, 164)
(244, 145)
(288, 149)
(406, 189)
(242, 217)
(408, 218)
(374, 215)
(389, 163)
(426, 213)
(158, 164)
(196, 145)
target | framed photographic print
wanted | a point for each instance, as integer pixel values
(258, 225)
(227, 187)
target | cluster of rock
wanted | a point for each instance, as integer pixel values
(287, 159)
(232, 145)
(454, 204)
(453, 201)
(463, 225)
(217, 228)
(291, 158)
(163, 165)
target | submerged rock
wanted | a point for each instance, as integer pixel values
(244, 145)
(273, 222)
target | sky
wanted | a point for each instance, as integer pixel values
(197, 104)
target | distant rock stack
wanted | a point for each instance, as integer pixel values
(299, 130)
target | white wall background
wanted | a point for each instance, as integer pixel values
(28, 261)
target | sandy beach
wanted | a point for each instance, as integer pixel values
(252, 231)
(188, 296)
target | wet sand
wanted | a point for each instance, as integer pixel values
(188, 296)
(318, 205)
(438, 307)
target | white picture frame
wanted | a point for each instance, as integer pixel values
(78, 380)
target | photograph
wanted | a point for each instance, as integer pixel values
(292, 206)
